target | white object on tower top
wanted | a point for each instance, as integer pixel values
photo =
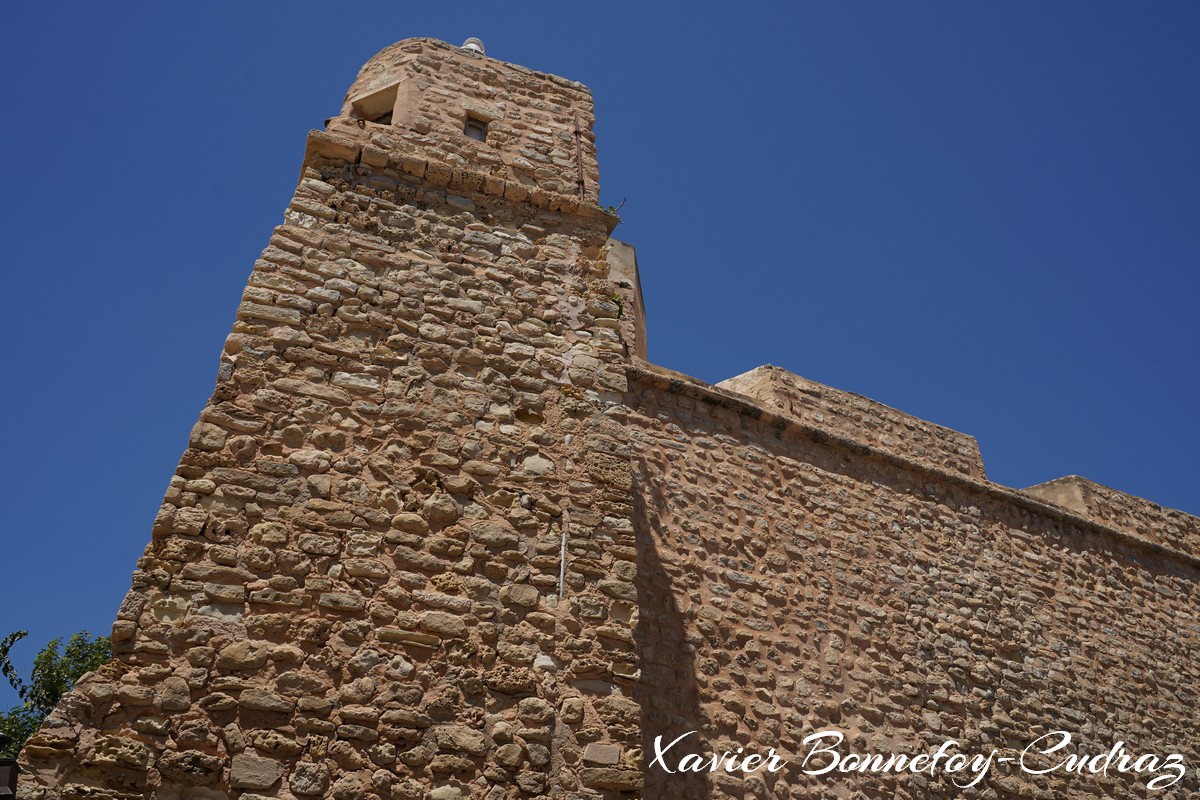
(473, 44)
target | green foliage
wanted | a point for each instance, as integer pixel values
(6, 667)
(52, 676)
(614, 209)
(620, 301)
(18, 724)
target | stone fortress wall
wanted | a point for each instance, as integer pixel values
(441, 532)
(811, 576)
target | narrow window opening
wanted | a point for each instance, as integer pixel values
(377, 107)
(476, 129)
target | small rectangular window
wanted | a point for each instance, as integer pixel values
(476, 129)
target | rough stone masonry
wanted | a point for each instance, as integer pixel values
(441, 532)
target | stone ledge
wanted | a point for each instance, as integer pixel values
(663, 379)
(860, 418)
(1126, 512)
(369, 159)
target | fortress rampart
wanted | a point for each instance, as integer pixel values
(441, 532)
(807, 577)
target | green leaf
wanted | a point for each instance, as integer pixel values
(18, 724)
(6, 667)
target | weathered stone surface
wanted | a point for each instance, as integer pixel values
(510, 755)
(134, 696)
(510, 680)
(611, 778)
(207, 437)
(342, 601)
(596, 753)
(441, 508)
(252, 772)
(444, 624)
(572, 710)
(243, 655)
(408, 637)
(461, 739)
(535, 711)
(495, 536)
(309, 779)
(190, 767)
(520, 594)
(276, 744)
(536, 465)
(175, 695)
(259, 700)
(120, 751)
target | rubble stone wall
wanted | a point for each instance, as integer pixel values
(797, 583)
(1134, 515)
(860, 419)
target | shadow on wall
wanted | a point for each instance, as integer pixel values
(895, 606)
(667, 692)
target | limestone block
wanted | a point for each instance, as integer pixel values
(243, 655)
(252, 772)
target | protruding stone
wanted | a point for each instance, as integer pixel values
(536, 465)
(122, 751)
(520, 594)
(460, 738)
(572, 710)
(206, 436)
(260, 700)
(441, 508)
(596, 753)
(309, 779)
(190, 767)
(535, 711)
(401, 636)
(175, 694)
(444, 624)
(242, 655)
(611, 778)
(510, 756)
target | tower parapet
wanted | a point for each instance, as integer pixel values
(468, 110)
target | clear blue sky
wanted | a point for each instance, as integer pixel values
(986, 215)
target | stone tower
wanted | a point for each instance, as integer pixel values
(442, 533)
(397, 557)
